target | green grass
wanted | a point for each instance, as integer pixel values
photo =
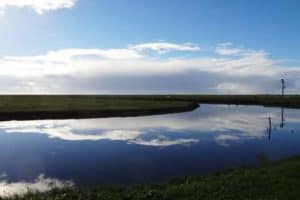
(75, 106)
(292, 101)
(65, 103)
(279, 180)
(25, 107)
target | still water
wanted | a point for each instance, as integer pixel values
(39, 155)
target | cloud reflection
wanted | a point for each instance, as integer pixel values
(225, 139)
(40, 184)
(222, 123)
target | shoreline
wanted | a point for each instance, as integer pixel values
(39, 107)
(87, 114)
(270, 180)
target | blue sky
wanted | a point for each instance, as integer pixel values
(261, 39)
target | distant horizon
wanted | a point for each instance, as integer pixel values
(141, 94)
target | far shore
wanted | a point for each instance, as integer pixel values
(35, 107)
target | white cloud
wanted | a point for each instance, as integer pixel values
(92, 62)
(164, 47)
(68, 55)
(40, 184)
(227, 49)
(61, 71)
(39, 6)
(234, 88)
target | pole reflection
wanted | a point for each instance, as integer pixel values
(281, 125)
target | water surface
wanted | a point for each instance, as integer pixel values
(42, 154)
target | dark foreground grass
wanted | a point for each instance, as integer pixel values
(279, 180)
(26, 107)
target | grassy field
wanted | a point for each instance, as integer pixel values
(62, 107)
(25, 107)
(292, 101)
(279, 180)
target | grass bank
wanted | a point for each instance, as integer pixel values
(279, 180)
(27, 107)
(291, 101)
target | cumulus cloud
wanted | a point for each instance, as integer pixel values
(39, 6)
(228, 49)
(228, 87)
(93, 62)
(164, 47)
(133, 70)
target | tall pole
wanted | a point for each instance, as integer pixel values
(282, 86)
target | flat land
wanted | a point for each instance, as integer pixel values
(27, 107)
(291, 101)
(65, 107)
(279, 180)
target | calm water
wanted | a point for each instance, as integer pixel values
(40, 154)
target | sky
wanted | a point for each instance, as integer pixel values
(149, 46)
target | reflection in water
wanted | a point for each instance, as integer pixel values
(224, 139)
(142, 149)
(269, 128)
(40, 184)
(247, 122)
(282, 125)
(282, 118)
